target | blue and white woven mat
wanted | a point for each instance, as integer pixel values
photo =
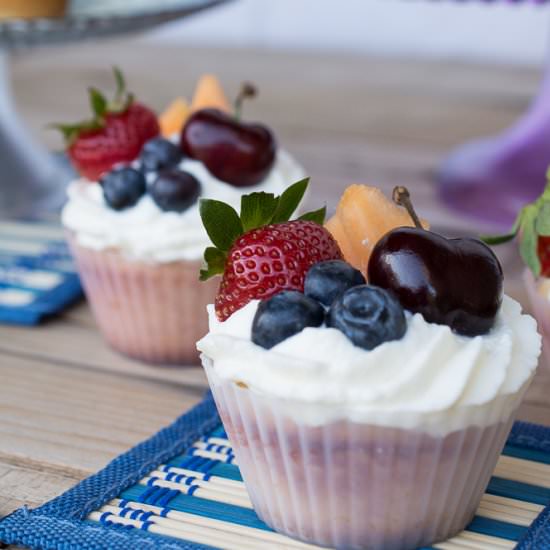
(37, 275)
(181, 489)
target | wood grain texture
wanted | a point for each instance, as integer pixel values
(68, 404)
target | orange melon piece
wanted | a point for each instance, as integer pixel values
(209, 94)
(173, 118)
(363, 215)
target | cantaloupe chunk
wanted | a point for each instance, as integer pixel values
(363, 215)
(173, 118)
(209, 93)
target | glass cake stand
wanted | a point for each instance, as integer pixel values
(31, 179)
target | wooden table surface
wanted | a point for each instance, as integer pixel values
(68, 404)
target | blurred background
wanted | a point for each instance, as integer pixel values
(362, 90)
(474, 31)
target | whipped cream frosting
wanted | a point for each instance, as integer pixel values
(431, 377)
(144, 231)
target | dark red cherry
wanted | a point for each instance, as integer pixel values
(456, 282)
(232, 151)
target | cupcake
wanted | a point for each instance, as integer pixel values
(532, 230)
(365, 414)
(132, 218)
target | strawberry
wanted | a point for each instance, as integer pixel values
(532, 227)
(543, 250)
(260, 252)
(114, 135)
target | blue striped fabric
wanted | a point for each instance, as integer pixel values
(37, 275)
(182, 488)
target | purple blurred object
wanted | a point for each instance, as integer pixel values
(492, 178)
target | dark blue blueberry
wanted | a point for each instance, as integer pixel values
(158, 154)
(175, 191)
(368, 316)
(283, 315)
(325, 281)
(123, 187)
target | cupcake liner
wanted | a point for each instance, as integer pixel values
(352, 485)
(540, 307)
(154, 312)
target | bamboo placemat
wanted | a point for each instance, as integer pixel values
(182, 489)
(37, 275)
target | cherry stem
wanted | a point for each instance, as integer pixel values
(247, 90)
(402, 197)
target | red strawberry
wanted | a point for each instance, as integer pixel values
(532, 227)
(276, 257)
(260, 252)
(121, 138)
(544, 255)
(115, 135)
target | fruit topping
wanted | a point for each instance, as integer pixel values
(235, 152)
(114, 135)
(175, 190)
(283, 315)
(532, 226)
(172, 119)
(209, 94)
(456, 282)
(362, 217)
(158, 154)
(326, 281)
(123, 187)
(260, 252)
(368, 316)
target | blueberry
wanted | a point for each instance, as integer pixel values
(283, 315)
(325, 281)
(174, 190)
(368, 316)
(158, 154)
(122, 187)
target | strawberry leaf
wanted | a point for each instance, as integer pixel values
(543, 220)
(214, 260)
(97, 102)
(529, 242)
(120, 84)
(498, 239)
(257, 209)
(289, 201)
(221, 222)
(317, 216)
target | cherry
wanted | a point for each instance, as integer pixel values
(232, 151)
(456, 282)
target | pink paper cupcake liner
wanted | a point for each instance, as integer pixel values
(540, 307)
(154, 312)
(352, 485)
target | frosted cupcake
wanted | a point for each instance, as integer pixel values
(366, 415)
(532, 229)
(133, 217)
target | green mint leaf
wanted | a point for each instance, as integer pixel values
(221, 222)
(317, 216)
(543, 220)
(289, 201)
(97, 102)
(498, 239)
(529, 244)
(257, 209)
(214, 260)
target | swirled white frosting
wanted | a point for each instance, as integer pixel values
(144, 231)
(431, 377)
